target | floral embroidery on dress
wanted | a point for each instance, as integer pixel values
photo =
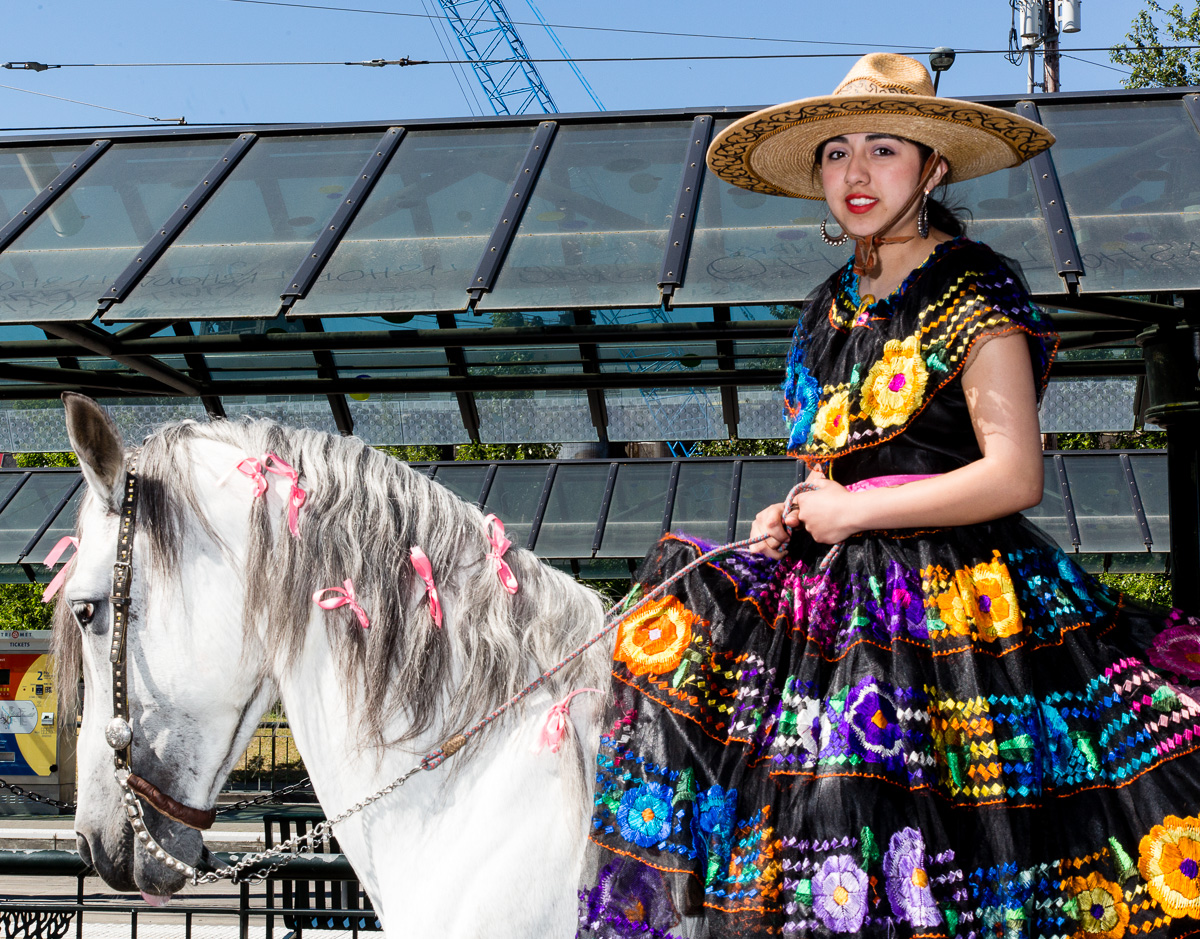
(1177, 649)
(653, 640)
(895, 385)
(907, 879)
(832, 423)
(1170, 862)
(839, 894)
(1100, 905)
(645, 814)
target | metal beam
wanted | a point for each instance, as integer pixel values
(1139, 311)
(588, 353)
(683, 219)
(730, 411)
(510, 216)
(199, 369)
(154, 248)
(457, 365)
(331, 236)
(100, 343)
(43, 200)
(327, 369)
(96, 380)
(1067, 259)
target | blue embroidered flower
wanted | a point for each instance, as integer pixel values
(715, 810)
(908, 880)
(875, 724)
(645, 814)
(801, 394)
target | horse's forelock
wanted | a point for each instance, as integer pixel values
(364, 512)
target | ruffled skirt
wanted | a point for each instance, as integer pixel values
(953, 733)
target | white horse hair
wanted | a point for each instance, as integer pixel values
(222, 623)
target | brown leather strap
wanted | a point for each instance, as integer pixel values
(200, 819)
(866, 247)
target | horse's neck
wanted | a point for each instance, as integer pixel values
(503, 813)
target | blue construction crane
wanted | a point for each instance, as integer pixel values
(501, 62)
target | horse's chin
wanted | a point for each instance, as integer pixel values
(127, 865)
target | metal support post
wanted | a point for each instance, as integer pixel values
(1067, 259)
(683, 220)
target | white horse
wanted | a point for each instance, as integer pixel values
(222, 622)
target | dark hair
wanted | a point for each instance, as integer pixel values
(942, 217)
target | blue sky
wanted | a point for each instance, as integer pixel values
(138, 31)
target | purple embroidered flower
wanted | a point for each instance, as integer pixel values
(1177, 649)
(645, 814)
(839, 894)
(630, 899)
(907, 881)
(875, 724)
(903, 603)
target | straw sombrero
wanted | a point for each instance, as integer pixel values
(773, 150)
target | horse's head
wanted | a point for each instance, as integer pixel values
(194, 694)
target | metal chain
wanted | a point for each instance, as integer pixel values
(35, 796)
(266, 797)
(279, 855)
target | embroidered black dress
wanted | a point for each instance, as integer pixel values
(951, 732)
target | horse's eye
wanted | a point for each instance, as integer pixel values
(83, 612)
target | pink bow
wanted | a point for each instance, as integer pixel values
(254, 469)
(346, 598)
(51, 559)
(296, 498)
(500, 544)
(420, 563)
(557, 723)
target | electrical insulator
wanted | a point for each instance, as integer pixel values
(1033, 22)
(1067, 15)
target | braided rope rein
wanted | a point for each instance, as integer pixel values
(279, 855)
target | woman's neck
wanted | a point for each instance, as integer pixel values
(896, 262)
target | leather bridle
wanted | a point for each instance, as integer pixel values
(119, 732)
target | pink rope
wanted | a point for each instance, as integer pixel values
(420, 563)
(499, 544)
(346, 598)
(56, 552)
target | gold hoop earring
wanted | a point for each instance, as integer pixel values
(832, 242)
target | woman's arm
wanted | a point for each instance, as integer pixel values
(999, 386)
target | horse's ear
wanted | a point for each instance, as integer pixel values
(97, 442)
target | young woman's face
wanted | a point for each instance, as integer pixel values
(868, 177)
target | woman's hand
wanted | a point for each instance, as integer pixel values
(770, 522)
(826, 511)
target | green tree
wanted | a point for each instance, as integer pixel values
(21, 607)
(1153, 65)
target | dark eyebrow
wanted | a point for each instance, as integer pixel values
(873, 137)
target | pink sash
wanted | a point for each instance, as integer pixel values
(883, 482)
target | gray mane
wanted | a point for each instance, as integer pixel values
(364, 512)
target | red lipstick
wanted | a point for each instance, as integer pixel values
(863, 207)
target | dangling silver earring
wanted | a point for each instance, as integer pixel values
(832, 242)
(923, 216)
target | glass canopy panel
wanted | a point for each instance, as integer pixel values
(64, 262)
(466, 482)
(1074, 405)
(534, 417)
(25, 171)
(764, 482)
(1001, 209)
(30, 507)
(37, 426)
(1103, 509)
(420, 235)
(1130, 176)
(514, 497)
(311, 411)
(63, 524)
(569, 523)
(595, 230)
(1050, 515)
(237, 256)
(1150, 473)
(138, 418)
(408, 419)
(702, 497)
(665, 414)
(760, 413)
(635, 514)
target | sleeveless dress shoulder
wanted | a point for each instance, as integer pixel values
(952, 732)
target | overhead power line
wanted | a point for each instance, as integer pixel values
(102, 107)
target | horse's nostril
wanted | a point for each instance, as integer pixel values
(85, 850)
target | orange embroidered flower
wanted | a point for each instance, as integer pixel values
(1100, 907)
(653, 640)
(949, 597)
(1169, 860)
(832, 423)
(895, 384)
(996, 611)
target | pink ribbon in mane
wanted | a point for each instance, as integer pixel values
(296, 497)
(499, 544)
(420, 563)
(557, 723)
(51, 559)
(346, 598)
(254, 469)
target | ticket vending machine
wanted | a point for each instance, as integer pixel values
(36, 750)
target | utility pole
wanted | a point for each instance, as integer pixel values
(1050, 50)
(1040, 23)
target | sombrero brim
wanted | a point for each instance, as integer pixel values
(773, 150)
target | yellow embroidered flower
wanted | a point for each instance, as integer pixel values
(996, 611)
(832, 423)
(895, 384)
(653, 640)
(948, 596)
(1101, 909)
(1169, 860)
